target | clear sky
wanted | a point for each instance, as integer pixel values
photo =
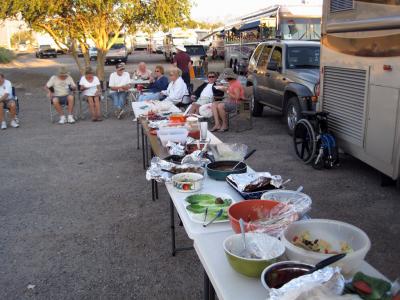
(222, 10)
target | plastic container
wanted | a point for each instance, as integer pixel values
(333, 232)
(187, 182)
(176, 135)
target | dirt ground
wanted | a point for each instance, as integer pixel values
(77, 220)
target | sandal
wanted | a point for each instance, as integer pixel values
(214, 130)
(223, 130)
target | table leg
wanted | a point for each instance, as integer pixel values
(137, 132)
(143, 150)
(211, 291)
(146, 150)
(206, 286)
(172, 214)
(156, 188)
(153, 190)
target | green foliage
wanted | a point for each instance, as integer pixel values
(22, 37)
(6, 55)
(76, 21)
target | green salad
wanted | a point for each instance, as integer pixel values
(198, 204)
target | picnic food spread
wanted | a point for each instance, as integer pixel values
(268, 212)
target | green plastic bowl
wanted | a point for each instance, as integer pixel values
(252, 267)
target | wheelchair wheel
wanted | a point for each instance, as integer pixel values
(304, 140)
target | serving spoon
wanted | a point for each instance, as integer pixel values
(326, 262)
(244, 158)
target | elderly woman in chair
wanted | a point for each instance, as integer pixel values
(234, 93)
(177, 91)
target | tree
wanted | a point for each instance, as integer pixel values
(24, 36)
(75, 22)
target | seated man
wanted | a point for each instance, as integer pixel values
(177, 88)
(7, 101)
(205, 94)
(120, 83)
(60, 88)
(158, 83)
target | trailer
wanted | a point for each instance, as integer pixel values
(360, 79)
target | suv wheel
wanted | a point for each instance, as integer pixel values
(257, 107)
(292, 113)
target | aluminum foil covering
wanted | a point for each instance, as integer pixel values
(155, 171)
(245, 179)
(329, 278)
(175, 149)
(195, 158)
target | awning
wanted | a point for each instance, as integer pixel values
(249, 26)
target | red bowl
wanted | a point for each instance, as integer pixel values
(249, 210)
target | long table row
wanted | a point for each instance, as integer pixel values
(220, 278)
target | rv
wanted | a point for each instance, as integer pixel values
(177, 37)
(360, 79)
(300, 21)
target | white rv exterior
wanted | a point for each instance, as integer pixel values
(360, 79)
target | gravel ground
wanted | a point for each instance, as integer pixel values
(77, 220)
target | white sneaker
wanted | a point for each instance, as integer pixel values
(3, 125)
(71, 119)
(63, 120)
(14, 124)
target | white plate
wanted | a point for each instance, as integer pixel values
(199, 218)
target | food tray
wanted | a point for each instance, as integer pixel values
(249, 195)
(199, 218)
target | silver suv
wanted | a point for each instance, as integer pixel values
(285, 76)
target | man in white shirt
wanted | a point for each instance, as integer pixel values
(60, 88)
(7, 101)
(119, 83)
(177, 89)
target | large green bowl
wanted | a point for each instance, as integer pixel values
(252, 267)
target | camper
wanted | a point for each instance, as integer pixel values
(301, 21)
(177, 37)
(360, 79)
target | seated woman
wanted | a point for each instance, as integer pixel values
(142, 72)
(90, 87)
(205, 94)
(235, 93)
(177, 88)
(158, 83)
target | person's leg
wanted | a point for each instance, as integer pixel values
(217, 124)
(114, 97)
(90, 101)
(223, 115)
(1, 112)
(122, 99)
(97, 106)
(13, 109)
(57, 106)
(70, 100)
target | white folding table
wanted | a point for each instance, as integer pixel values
(227, 283)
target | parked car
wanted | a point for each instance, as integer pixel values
(46, 51)
(117, 53)
(93, 53)
(285, 77)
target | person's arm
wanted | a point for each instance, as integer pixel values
(179, 91)
(217, 93)
(112, 84)
(81, 85)
(49, 85)
(71, 83)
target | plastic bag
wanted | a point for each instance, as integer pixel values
(275, 220)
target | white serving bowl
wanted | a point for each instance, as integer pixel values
(187, 182)
(333, 232)
(287, 196)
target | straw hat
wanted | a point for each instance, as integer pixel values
(228, 73)
(63, 71)
(181, 48)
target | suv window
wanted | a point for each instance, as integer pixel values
(277, 56)
(117, 46)
(262, 61)
(254, 57)
(303, 57)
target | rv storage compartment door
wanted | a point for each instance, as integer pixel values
(383, 114)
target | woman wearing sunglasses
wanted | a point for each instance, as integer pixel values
(158, 83)
(205, 93)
